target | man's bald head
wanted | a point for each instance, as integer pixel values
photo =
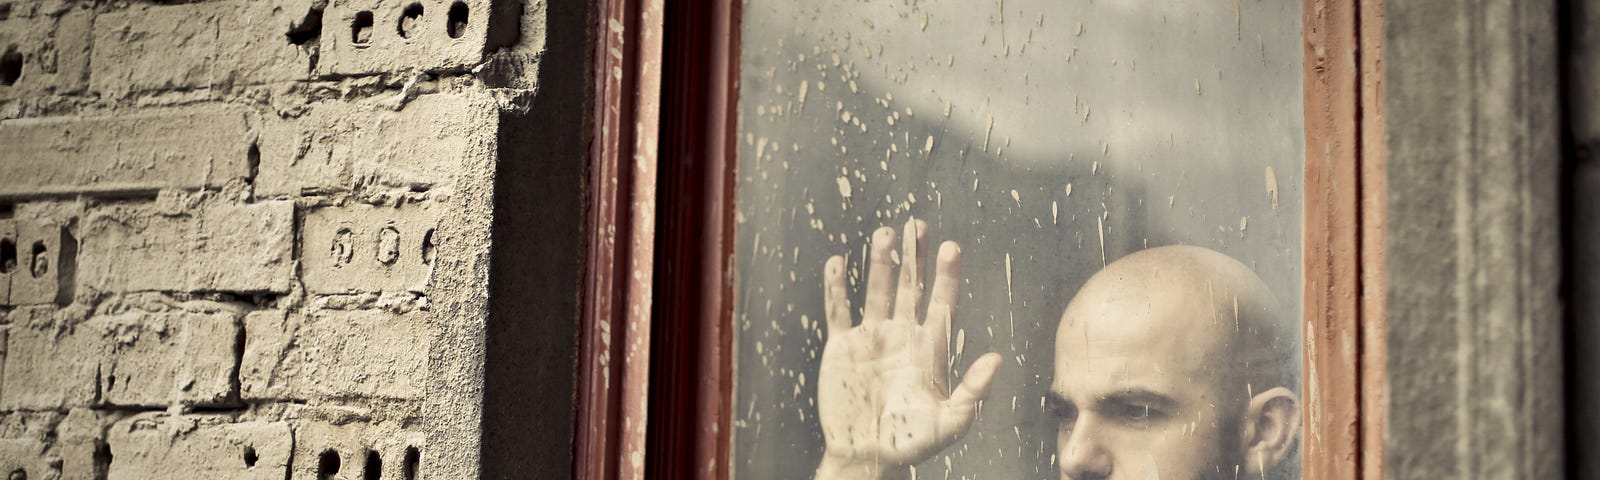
(1176, 362)
(1211, 304)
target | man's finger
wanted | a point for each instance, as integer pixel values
(941, 312)
(936, 335)
(909, 297)
(836, 297)
(880, 279)
(957, 413)
(946, 279)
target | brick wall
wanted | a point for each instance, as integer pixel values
(254, 238)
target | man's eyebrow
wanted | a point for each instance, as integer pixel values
(1056, 398)
(1140, 396)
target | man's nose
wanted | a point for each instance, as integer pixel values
(1083, 456)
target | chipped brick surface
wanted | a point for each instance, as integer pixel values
(158, 445)
(45, 263)
(428, 41)
(124, 153)
(336, 148)
(168, 358)
(129, 359)
(248, 248)
(48, 365)
(359, 449)
(84, 453)
(53, 50)
(26, 455)
(237, 234)
(187, 46)
(334, 354)
(363, 248)
(10, 258)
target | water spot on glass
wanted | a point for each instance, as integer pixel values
(1272, 188)
(987, 130)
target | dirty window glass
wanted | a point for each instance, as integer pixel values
(1019, 239)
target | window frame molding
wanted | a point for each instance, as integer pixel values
(660, 263)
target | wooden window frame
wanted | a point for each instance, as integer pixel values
(660, 266)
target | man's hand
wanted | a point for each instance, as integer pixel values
(882, 394)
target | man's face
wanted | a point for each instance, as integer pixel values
(1136, 394)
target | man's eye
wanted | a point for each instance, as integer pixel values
(1139, 412)
(1064, 412)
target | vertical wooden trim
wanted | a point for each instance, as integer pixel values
(637, 358)
(613, 369)
(691, 390)
(1332, 239)
(1374, 201)
(716, 429)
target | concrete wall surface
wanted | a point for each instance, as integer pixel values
(1474, 254)
(255, 239)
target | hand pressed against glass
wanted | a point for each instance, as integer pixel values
(1173, 362)
(883, 398)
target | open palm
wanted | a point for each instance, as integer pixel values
(883, 394)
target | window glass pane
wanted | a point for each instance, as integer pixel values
(1120, 184)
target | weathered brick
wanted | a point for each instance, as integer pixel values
(245, 248)
(184, 148)
(5, 347)
(160, 47)
(10, 258)
(363, 248)
(427, 44)
(158, 445)
(133, 358)
(158, 359)
(47, 367)
(334, 354)
(35, 425)
(336, 147)
(82, 444)
(54, 51)
(325, 450)
(46, 257)
(27, 456)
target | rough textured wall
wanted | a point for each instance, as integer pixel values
(1474, 254)
(254, 239)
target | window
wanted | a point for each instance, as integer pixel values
(1121, 186)
(1149, 207)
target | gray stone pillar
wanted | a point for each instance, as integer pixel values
(1474, 252)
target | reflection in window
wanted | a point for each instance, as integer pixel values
(1119, 185)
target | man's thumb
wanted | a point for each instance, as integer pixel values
(958, 409)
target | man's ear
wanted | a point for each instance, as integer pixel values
(1271, 426)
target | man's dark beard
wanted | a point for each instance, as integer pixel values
(1229, 461)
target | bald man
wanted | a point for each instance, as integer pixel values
(1172, 363)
